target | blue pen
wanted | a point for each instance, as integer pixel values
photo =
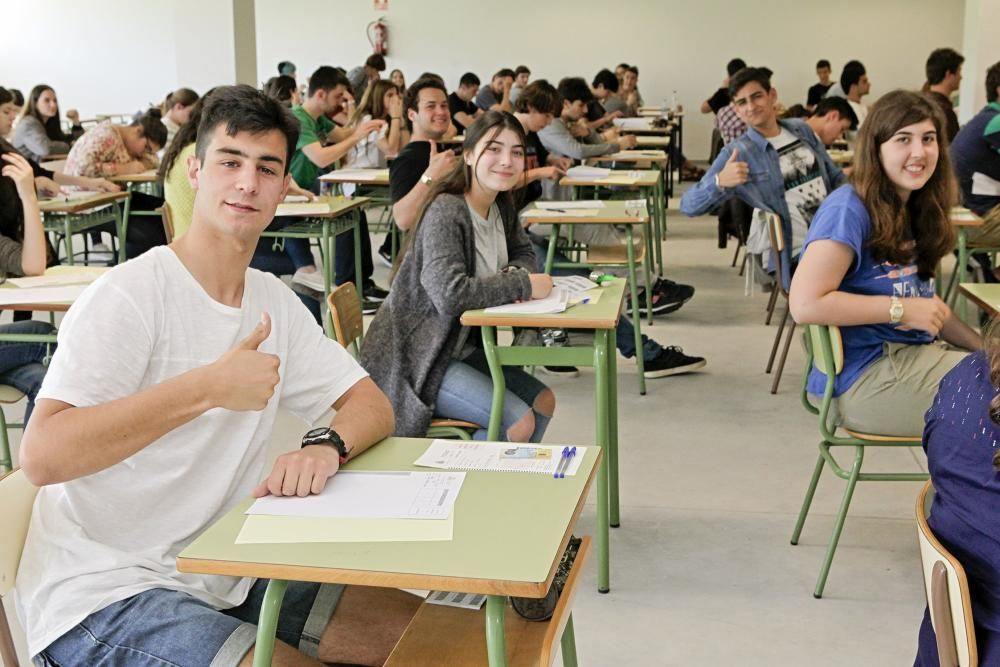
(572, 453)
(562, 459)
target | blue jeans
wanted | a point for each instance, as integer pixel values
(625, 330)
(344, 264)
(21, 363)
(467, 394)
(161, 627)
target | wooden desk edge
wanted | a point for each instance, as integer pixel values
(580, 220)
(984, 305)
(79, 205)
(541, 321)
(38, 307)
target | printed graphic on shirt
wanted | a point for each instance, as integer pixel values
(907, 284)
(804, 187)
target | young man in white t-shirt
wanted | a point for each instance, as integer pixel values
(154, 421)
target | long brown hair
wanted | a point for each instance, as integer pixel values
(459, 180)
(924, 216)
(372, 103)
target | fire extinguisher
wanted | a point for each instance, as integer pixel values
(378, 36)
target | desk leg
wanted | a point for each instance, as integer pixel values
(612, 357)
(121, 224)
(550, 255)
(963, 260)
(268, 623)
(499, 385)
(659, 225)
(603, 390)
(568, 642)
(636, 318)
(69, 240)
(496, 637)
(358, 274)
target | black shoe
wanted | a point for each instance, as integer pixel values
(668, 296)
(368, 307)
(565, 371)
(672, 361)
(375, 293)
(557, 338)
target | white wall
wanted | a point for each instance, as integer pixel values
(981, 49)
(677, 44)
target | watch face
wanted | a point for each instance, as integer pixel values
(322, 430)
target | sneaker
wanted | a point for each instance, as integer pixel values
(375, 293)
(368, 307)
(668, 296)
(557, 338)
(311, 279)
(385, 257)
(99, 252)
(672, 361)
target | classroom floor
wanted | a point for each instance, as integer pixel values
(713, 469)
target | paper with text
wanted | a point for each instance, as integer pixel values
(497, 457)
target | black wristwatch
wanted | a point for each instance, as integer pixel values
(329, 437)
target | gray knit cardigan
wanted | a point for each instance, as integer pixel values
(413, 336)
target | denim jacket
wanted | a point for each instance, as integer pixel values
(765, 188)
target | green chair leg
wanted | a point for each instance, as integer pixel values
(268, 623)
(568, 642)
(807, 501)
(838, 526)
(6, 463)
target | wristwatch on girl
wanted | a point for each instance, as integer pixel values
(895, 310)
(329, 437)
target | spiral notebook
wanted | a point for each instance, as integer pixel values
(497, 457)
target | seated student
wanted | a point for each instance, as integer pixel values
(398, 80)
(467, 250)
(777, 165)
(363, 75)
(284, 89)
(959, 436)
(463, 110)
(629, 90)
(944, 75)
(521, 76)
(817, 91)
(176, 109)
(557, 136)
(115, 150)
(853, 85)
(39, 130)
(976, 156)
(327, 87)
(868, 267)
(831, 118)
(605, 89)
(24, 251)
(720, 98)
(496, 96)
(205, 351)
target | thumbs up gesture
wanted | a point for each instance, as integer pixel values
(245, 378)
(734, 172)
(441, 163)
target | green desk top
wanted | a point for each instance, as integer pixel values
(509, 531)
(984, 295)
(601, 315)
(643, 178)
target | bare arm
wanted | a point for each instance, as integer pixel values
(324, 156)
(405, 211)
(33, 248)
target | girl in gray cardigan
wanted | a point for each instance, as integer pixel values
(467, 251)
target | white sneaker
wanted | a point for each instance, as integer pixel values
(99, 252)
(311, 279)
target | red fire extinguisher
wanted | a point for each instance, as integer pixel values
(378, 36)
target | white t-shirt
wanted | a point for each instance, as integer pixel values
(491, 242)
(107, 536)
(366, 154)
(805, 189)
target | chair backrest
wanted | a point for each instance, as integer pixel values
(17, 496)
(777, 236)
(947, 590)
(168, 221)
(827, 348)
(345, 312)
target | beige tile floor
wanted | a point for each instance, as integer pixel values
(713, 469)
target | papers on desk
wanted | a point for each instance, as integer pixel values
(355, 174)
(70, 196)
(497, 457)
(294, 199)
(54, 277)
(574, 284)
(556, 302)
(962, 214)
(633, 123)
(585, 173)
(561, 213)
(621, 155)
(61, 294)
(372, 495)
(301, 209)
(627, 178)
(568, 205)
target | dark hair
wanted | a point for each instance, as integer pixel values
(504, 73)
(327, 78)
(573, 89)
(541, 96)
(281, 88)
(243, 109)
(924, 216)
(820, 64)
(11, 207)
(469, 79)
(18, 97)
(852, 73)
(796, 111)
(412, 97)
(152, 126)
(622, 65)
(940, 63)
(841, 106)
(53, 126)
(992, 82)
(521, 69)
(183, 96)
(286, 67)
(747, 75)
(607, 79)
(186, 135)
(376, 62)
(459, 180)
(735, 65)
(633, 69)
(5, 96)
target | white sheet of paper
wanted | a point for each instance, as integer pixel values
(262, 529)
(494, 457)
(77, 275)
(984, 185)
(555, 302)
(355, 174)
(633, 123)
(300, 209)
(569, 205)
(649, 153)
(61, 294)
(372, 495)
(294, 199)
(573, 284)
(557, 213)
(585, 172)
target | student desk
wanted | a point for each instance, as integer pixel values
(510, 531)
(372, 183)
(85, 274)
(640, 158)
(962, 219)
(602, 318)
(54, 164)
(841, 158)
(984, 295)
(649, 184)
(73, 216)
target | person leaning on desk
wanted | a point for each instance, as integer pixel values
(155, 417)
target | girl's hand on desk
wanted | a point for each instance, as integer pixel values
(541, 285)
(46, 187)
(300, 473)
